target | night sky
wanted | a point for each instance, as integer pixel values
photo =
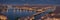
(30, 1)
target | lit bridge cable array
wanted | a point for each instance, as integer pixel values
(14, 12)
(20, 10)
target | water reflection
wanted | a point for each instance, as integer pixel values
(18, 13)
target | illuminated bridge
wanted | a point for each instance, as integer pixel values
(14, 12)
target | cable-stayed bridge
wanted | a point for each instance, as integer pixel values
(14, 12)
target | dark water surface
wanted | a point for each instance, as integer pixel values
(12, 16)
